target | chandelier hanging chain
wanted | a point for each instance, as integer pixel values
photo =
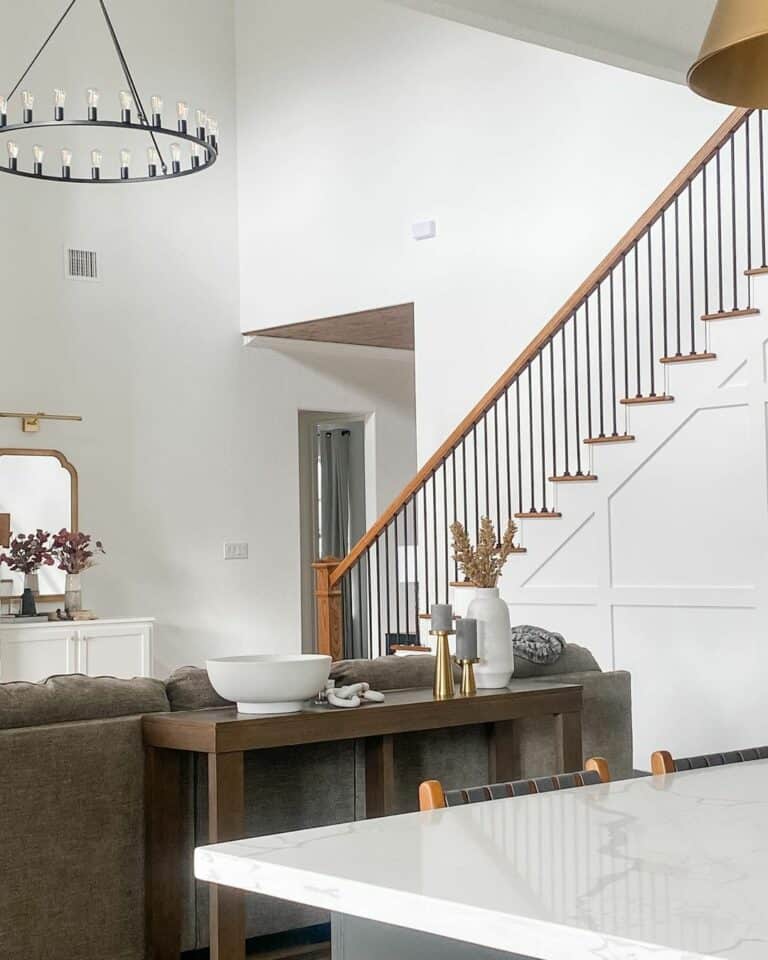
(129, 79)
(36, 57)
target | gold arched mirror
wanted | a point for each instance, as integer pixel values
(38, 490)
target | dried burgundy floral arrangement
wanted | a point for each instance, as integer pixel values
(73, 551)
(28, 552)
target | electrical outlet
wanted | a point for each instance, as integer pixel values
(235, 550)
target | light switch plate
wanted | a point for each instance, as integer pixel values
(235, 550)
(424, 230)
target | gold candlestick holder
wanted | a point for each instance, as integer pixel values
(443, 687)
(468, 687)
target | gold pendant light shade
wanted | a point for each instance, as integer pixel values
(732, 66)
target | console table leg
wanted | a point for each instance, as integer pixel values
(226, 820)
(569, 741)
(164, 839)
(503, 754)
(379, 777)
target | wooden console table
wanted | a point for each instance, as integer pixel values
(224, 735)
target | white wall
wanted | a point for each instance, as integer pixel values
(357, 117)
(189, 438)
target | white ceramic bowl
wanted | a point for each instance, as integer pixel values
(269, 683)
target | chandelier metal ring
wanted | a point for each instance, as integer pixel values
(208, 145)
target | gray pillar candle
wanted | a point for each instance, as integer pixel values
(442, 617)
(466, 639)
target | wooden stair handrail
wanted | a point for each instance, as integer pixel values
(656, 209)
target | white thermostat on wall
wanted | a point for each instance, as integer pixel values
(424, 230)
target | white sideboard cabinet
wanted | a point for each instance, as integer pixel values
(34, 650)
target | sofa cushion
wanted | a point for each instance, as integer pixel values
(71, 697)
(189, 688)
(536, 644)
(388, 673)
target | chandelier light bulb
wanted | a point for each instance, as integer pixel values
(59, 99)
(125, 164)
(28, 100)
(197, 154)
(3, 112)
(126, 105)
(201, 118)
(13, 155)
(39, 153)
(213, 132)
(97, 158)
(66, 163)
(93, 103)
(176, 157)
(182, 111)
(152, 161)
(157, 111)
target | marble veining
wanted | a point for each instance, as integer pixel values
(670, 868)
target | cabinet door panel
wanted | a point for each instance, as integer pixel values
(35, 654)
(115, 651)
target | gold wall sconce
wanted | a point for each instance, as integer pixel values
(30, 422)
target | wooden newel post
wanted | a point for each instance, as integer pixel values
(330, 637)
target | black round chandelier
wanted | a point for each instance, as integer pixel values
(200, 137)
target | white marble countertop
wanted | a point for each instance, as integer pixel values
(669, 868)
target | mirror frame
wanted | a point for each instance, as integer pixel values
(74, 511)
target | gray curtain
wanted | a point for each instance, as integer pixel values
(335, 494)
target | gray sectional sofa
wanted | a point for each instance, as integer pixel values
(72, 796)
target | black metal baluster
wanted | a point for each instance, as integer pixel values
(626, 323)
(600, 355)
(576, 393)
(639, 392)
(388, 595)
(496, 464)
(719, 179)
(406, 577)
(445, 529)
(543, 435)
(552, 404)
(395, 527)
(762, 189)
(487, 471)
(567, 471)
(705, 217)
(651, 332)
(416, 604)
(588, 348)
(519, 449)
(508, 440)
(530, 438)
(677, 273)
(691, 268)
(435, 567)
(733, 224)
(464, 479)
(477, 482)
(613, 354)
(455, 505)
(427, 598)
(378, 587)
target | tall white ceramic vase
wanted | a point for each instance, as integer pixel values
(494, 639)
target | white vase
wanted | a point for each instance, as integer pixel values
(73, 596)
(494, 639)
(32, 582)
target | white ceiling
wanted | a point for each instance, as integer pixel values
(656, 37)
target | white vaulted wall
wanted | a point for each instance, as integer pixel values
(188, 437)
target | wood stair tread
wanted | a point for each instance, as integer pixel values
(617, 438)
(538, 515)
(727, 314)
(659, 398)
(573, 478)
(688, 358)
(756, 272)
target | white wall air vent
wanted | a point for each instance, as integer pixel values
(81, 264)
